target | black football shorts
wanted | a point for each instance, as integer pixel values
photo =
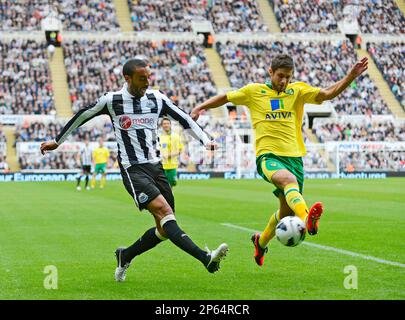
(86, 169)
(144, 182)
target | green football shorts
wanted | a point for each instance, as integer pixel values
(171, 175)
(268, 163)
(100, 168)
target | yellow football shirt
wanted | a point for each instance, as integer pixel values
(100, 155)
(276, 117)
(170, 144)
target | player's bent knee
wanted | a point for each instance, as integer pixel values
(159, 208)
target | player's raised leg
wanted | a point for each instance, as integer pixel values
(287, 182)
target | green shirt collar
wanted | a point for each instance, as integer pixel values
(268, 83)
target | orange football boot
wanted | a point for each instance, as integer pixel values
(313, 218)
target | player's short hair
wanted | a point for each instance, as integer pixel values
(132, 64)
(282, 61)
(165, 119)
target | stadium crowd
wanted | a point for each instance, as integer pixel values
(376, 161)
(322, 16)
(4, 168)
(25, 84)
(173, 15)
(40, 131)
(389, 58)
(333, 130)
(196, 158)
(3, 137)
(317, 63)
(306, 16)
(314, 161)
(179, 69)
(54, 161)
(76, 15)
(58, 161)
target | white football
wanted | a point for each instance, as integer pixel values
(290, 231)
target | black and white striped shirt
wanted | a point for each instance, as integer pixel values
(135, 122)
(85, 156)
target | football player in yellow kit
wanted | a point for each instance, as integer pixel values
(170, 149)
(276, 111)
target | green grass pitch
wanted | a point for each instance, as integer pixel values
(53, 224)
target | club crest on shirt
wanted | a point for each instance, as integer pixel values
(143, 198)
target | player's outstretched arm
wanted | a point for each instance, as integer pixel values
(80, 118)
(337, 88)
(170, 109)
(211, 103)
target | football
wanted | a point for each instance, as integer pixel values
(290, 231)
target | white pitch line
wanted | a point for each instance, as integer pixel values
(341, 251)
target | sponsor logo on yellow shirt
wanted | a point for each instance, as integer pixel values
(278, 115)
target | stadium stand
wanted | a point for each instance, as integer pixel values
(364, 130)
(232, 155)
(173, 15)
(25, 84)
(248, 61)
(376, 161)
(76, 15)
(2, 135)
(314, 161)
(4, 167)
(178, 68)
(306, 16)
(375, 16)
(389, 58)
(58, 161)
(40, 131)
(32, 132)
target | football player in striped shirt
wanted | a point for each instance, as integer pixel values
(85, 160)
(135, 111)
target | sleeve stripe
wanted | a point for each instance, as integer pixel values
(186, 121)
(79, 119)
(175, 115)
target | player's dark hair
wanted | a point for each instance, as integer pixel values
(282, 61)
(165, 119)
(132, 64)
